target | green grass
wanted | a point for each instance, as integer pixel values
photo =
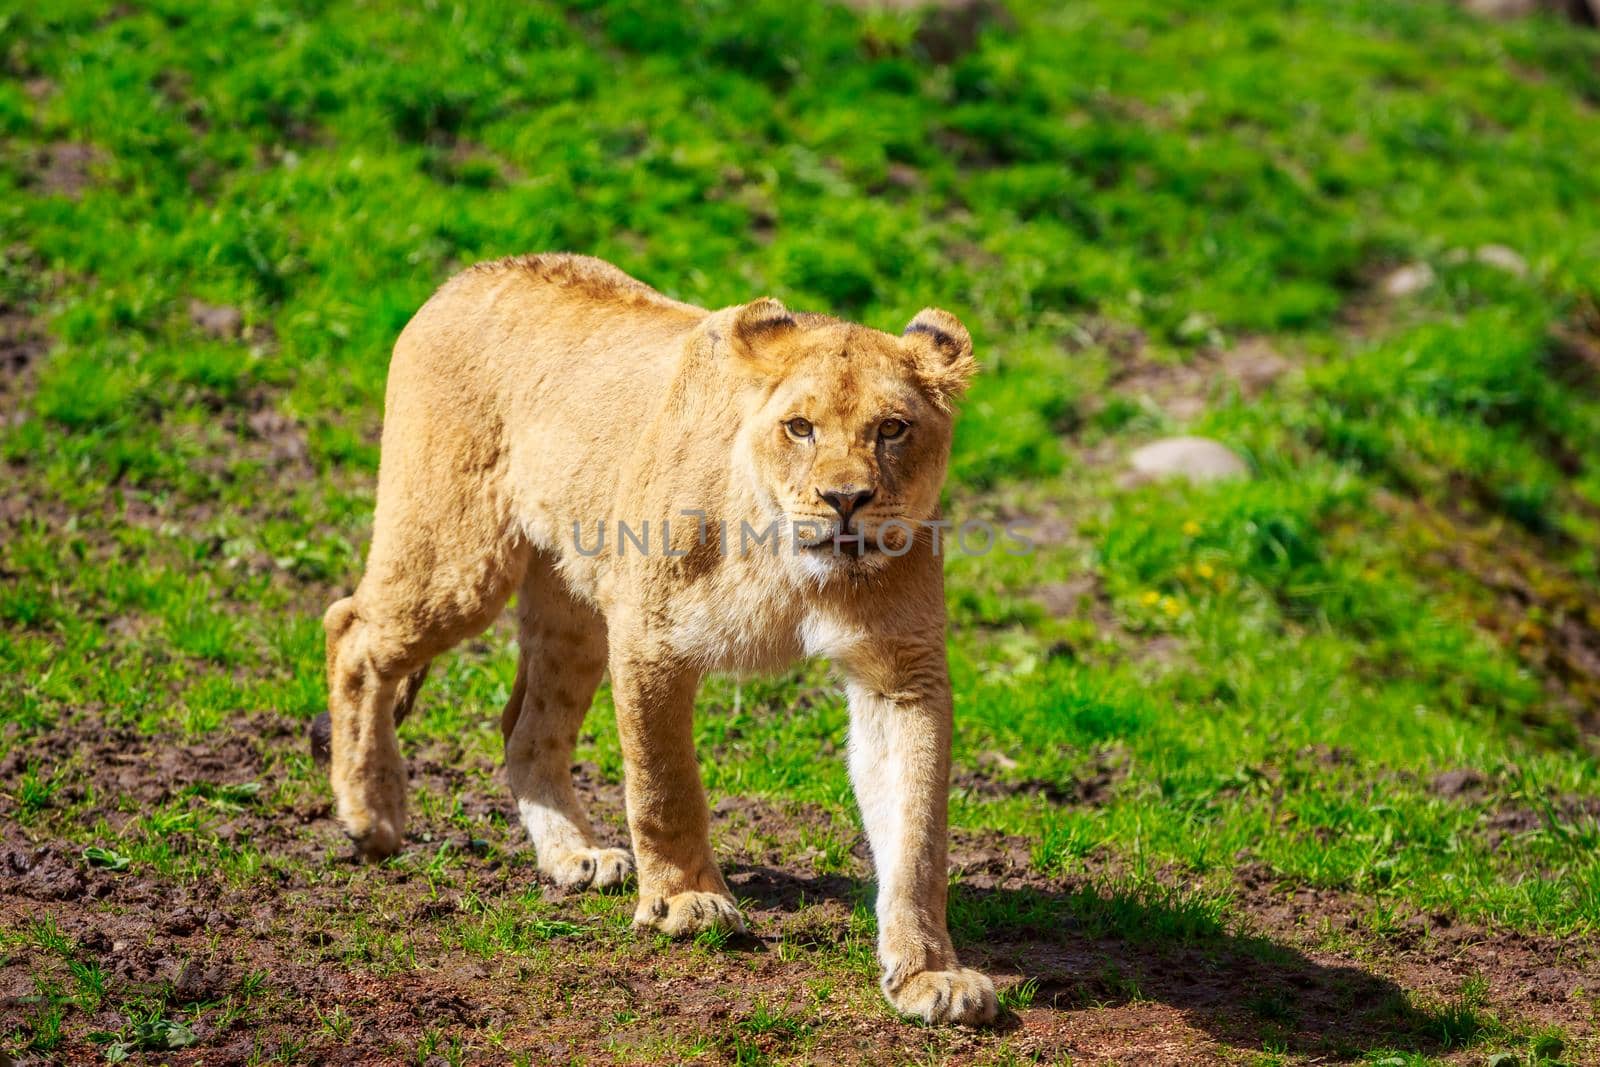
(1277, 668)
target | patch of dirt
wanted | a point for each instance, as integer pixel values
(44, 875)
(1530, 977)
(1091, 787)
(1509, 818)
(1581, 12)
(251, 436)
(23, 341)
(466, 163)
(262, 966)
(1254, 365)
(223, 322)
(1124, 343)
(949, 28)
(1084, 598)
(1463, 784)
(176, 88)
(1077, 595)
(22, 345)
(279, 438)
(1249, 367)
(1546, 616)
(1507, 809)
(1575, 351)
(66, 168)
(952, 28)
(218, 321)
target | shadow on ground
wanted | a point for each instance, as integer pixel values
(1084, 946)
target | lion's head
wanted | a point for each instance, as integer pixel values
(847, 432)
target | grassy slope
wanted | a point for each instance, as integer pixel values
(1275, 671)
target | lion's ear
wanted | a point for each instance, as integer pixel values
(757, 334)
(941, 351)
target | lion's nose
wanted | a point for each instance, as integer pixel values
(846, 499)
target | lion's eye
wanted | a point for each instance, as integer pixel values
(889, 429)
(799, 429)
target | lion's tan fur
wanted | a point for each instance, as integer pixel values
(534, 401)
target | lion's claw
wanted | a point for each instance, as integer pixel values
(962, 996)
(687, 914)
(589, 868)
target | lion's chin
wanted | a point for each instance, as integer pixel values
(825, 565)
(842, 557)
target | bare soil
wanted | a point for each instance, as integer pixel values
(1097, 996)
(66, 168)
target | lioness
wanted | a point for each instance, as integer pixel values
(538, 403)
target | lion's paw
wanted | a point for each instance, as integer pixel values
(687, 914)
(961, 996)
(376, 837)
(589, 868)
(374, 817)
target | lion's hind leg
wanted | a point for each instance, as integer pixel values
(563, 655)
(439, 571)
(367, 774)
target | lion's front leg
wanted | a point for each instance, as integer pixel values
(900, 766)
(681, 891)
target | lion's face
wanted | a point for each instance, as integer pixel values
(849, 439)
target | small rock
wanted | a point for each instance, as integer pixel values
(1408, 280)
(1502, 258)
(1199, 459)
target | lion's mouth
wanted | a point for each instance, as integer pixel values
(849, 541)
(852, 544)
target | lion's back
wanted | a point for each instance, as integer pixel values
(533, 373)
(538, 330)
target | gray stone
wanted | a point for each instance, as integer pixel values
(1408, 280)
(1199, 459)
(1502, 258)
(1499, 257)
